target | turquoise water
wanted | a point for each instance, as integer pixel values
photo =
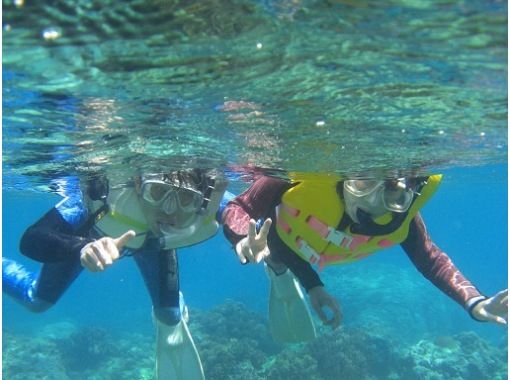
(397, 311)
(343, 87)
(308, 86)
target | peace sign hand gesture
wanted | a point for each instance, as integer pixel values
(253, 248)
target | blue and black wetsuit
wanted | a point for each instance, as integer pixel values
(57, 239)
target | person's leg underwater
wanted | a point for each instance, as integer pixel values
(290, 320)
(38, 292)
(176, 355)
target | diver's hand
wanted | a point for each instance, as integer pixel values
(100, 254)
(253, 248)
(320, 299)
(493, 309)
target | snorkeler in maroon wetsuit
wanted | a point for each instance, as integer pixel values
(324, 220)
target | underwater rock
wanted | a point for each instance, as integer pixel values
(410, 302)
(58, 330)
(233, 341)
(27, 357)
(464, 356)
(233, 319)
(86, 348)
(292, 365)
(88, 353)
(353, 354)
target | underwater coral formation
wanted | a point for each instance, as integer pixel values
(353, 354)
(27, 357)
(393, 304)
(461, 357)
(88, 353)
(232, 341)
(86, 348)
(235, 343)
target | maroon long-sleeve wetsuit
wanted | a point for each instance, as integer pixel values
(260, 200)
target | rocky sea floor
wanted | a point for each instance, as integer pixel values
(245, 351)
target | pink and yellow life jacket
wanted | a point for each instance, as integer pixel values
(310, 212)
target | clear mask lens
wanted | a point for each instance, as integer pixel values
(154, 192)
(169, 206)
(189, 200)
(397, 200)
(171, 198)
(361, 188)
(395, 195)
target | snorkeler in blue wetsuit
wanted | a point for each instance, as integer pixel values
(148, 219)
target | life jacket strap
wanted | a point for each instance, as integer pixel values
(308, 252)
(339, 238)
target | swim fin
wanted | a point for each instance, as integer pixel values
(176, 355)
(290, 320)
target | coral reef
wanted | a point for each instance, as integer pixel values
(353, 354)
(31, 358)
(86, 348)
(292, 364)
(461, 357)
(235, 344)
(393, 304)
(232, 340)
(88, 353)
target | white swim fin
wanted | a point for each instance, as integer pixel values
(290, 320)
(176, 355)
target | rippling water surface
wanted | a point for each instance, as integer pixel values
(316, 86)
(337, 86)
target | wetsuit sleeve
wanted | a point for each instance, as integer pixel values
(256, 202)
(435, 265)
(306, 275)
(52, 239)
(259, 201)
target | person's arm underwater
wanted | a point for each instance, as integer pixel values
(251, 246)
(438, 268)
(240, 215)
(56, 237)
(52, 239)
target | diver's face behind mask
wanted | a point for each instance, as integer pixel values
(376, 197)
(170, 198)
(170, 206)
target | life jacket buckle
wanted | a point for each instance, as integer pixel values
(310, 254)
(339, 238)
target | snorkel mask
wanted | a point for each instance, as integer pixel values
(171, 198)
(376, 197)
(192, 198)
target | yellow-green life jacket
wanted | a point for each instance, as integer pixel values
(310, 212)
(125, 213)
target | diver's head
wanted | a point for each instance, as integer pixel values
(173, 201)
(377, 197)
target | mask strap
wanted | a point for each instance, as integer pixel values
(207, 192)
(98, 188)
(93, 219)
